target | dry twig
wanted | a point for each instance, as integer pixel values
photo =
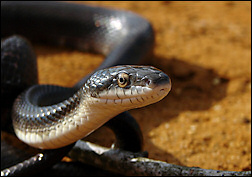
(128, 163)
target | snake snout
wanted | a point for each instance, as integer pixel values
(164, 82)
(158, 79)
(162, 85)
(159, 82)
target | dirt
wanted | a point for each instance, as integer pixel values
(205, 48)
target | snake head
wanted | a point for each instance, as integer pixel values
(128, 86)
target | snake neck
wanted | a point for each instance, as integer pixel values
(63, 123)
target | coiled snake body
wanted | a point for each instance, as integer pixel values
(50, 117)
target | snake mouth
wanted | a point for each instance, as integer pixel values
(137, 97)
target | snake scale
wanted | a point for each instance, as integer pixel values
(54, 117)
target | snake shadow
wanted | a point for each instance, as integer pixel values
(194, 88)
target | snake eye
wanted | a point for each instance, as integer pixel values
(123, 80)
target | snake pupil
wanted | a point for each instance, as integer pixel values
(122, 80)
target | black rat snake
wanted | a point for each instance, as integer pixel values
(52, 117)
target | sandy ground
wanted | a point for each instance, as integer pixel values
(205, 47)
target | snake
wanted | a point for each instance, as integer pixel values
(53, 117)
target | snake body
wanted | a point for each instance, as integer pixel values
(100, 99)
(49, 117)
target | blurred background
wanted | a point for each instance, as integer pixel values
(205, 47)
